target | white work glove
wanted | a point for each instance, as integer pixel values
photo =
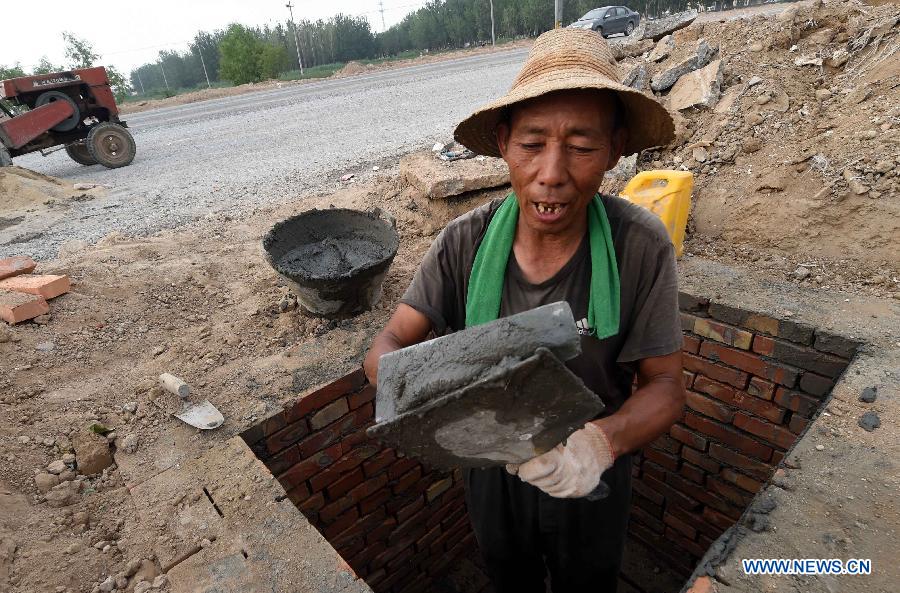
(572, 470)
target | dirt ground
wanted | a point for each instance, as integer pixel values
(350, 69)
(202, 303)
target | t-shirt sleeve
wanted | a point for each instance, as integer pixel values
(655, 329)
(433, 290)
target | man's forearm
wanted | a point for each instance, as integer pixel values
(648, 413)
(382, 344)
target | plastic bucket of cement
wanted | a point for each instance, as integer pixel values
(335, 259)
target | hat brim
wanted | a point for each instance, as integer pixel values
(649, 123)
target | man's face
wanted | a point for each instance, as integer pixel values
(558, 147)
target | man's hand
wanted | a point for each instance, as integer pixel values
(405, 328)
(572, 470)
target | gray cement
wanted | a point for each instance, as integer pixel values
(519, 410)
(413, 376)
(335, 259)
(492, 394)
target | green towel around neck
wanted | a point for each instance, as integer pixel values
(489, 269)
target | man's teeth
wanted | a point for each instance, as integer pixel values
(544, 208)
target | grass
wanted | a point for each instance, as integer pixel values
(165, 93)
(321, 71)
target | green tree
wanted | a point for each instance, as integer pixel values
(45, 66)
(239, 55)
(79, 52)
(11, 71)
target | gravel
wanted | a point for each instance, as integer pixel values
(239, 153)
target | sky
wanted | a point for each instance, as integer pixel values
(127, 34)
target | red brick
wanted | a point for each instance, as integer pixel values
(47, 286)
(318, 441)
(797, 402)
(647, 491)
(741, 481)
(298, 495)
(426, 540)
(753, 364)
(364, 395)
(673, 495)
(709, 407)
(287, 436)
(407, 480)
(716, 518)
(343, 465)
(761, 388)
(382, 531)
(331, 511)
(695, 549)
(321, 397)
(403, 465)
(311, 506)
(654, 510)
(692, 473)
(345, 484)
(329, 414)
(714, 370)
(438, 488)
(696, 521)
(723, 333)
(666, 460)
(700, 459)
(378, 462)
(368, 488)
(274, 423)
(688, 437)
(364, 558)
(666, 443)
(641, 516)
(714, 388)
(776, 435)
(358, 531)
(374, 501)
(777, 458)
(440, 514)
(816, 385)
(362, 417)
(804, 357)
(653, 470)
(412, 510)
(729, 436)
(798, 424)
(691, 345)
(309, 467)
(687, 379)
(760, 407)
(735, 495)
(283, 461)
(13, 266)
(355, 439)
(16, 307)
(688, 321)
(341, 523)
(755, 468)
(679, 525)
(789, 330)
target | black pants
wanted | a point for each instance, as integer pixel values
(523, 533)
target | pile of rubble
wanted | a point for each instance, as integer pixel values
(791, 114)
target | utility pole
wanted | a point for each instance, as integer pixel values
(558, 10)
(140, 82)
(493, 37)
(381, 10)
(290, 8)
(203, 63)
(165, 80)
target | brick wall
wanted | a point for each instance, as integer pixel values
(396, 523)
(753, 384)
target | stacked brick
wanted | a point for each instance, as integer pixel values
(397, 524)
(753, 385)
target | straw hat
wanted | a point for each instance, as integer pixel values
(563, 59)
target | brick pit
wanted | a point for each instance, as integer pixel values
(754, 384)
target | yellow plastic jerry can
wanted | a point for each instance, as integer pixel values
(668, 195)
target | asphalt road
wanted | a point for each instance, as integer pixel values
(241, 152)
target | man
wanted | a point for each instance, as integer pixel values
(562, 126)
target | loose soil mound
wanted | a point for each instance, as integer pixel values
(350, 69)
(800, 152)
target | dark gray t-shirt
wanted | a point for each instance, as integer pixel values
(649, 322)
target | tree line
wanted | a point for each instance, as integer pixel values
(240, 54)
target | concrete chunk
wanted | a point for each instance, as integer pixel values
(698, 89)
(662, 50)
(436, 179)
(667, 78)
(659, 28)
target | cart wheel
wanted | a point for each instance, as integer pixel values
(80, 154)
(5, 159)
(72, 121)
(111, 145)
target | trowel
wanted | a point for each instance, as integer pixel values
(204, 416)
